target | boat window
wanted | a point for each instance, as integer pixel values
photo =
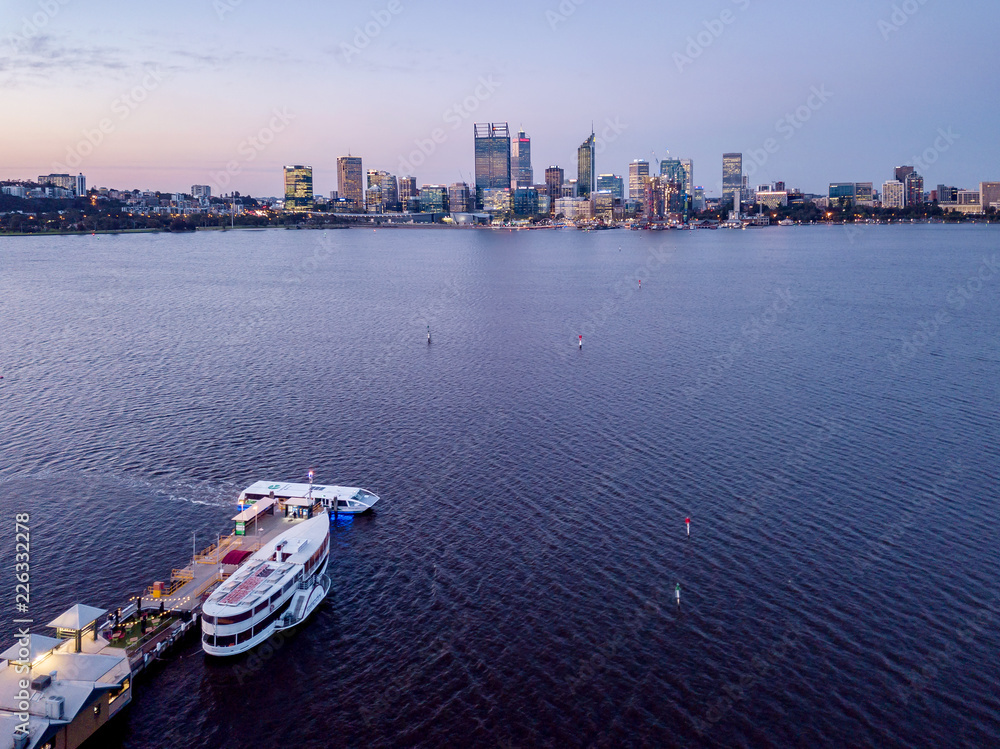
(225, 641)
(240, 617)
(208, 619)
(244, 635)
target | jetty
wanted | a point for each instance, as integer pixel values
(58, 691)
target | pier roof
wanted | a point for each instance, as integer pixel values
(76, 618)
(37, 645)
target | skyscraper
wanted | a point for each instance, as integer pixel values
(903, 171)
(298, 188)
(914, 184)
(638, 175)
(350, 184)
(688, 165)
(732, 177)
(554, 178)
(409, 197)
(459, 198)
(613, 184)
(520, 157)
(81, 185)
(893, 194)
(492, 157)
(585, 173)
(989, 193)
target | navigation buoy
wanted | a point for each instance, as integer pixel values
(678, 594)
(428, 334)
(688, 522)
(640, 283)
(581, 341)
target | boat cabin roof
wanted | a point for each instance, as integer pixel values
(286, 491)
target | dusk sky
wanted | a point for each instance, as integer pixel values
(181, 87)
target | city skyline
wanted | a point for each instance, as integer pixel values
(208, 96)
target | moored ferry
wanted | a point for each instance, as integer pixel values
(346, 499)
(274, 589)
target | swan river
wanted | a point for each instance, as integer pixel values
(822, 402)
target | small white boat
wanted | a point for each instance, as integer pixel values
(346, 499)
(275, 589)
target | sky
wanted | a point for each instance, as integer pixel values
(225, 92)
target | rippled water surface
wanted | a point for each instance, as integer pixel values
(821, 402)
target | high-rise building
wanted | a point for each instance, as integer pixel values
(66, 181)
(673, 177)
(459, 198)
(387, 191)
(698, 199)
(688, 165)
(914, 184)
(902, 172)
(672, 170)
(409, 197)
(946, 194)
(492, 140)
(201, 191)
(989, 193)
(613, 184)
(864, 194)
(373, 199)
(893, 194)
(585, 174)
(298, 188)
(732, 177)
(841, 192)
(497, 201)
(81, 185)
(554, 177)
(604, 205)
(434, 199)
(520, 157)
(350, 184)
(779, 187)
(525, 202)
(638, 176)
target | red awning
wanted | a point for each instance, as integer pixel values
(236, 556)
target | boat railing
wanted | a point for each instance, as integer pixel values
(216, 578)
(178, 578)
(214, 553)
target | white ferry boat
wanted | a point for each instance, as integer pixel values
(275, 589)
(347, 499)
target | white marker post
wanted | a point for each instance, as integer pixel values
(581, 342)
(678, 595)
(687, 521)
